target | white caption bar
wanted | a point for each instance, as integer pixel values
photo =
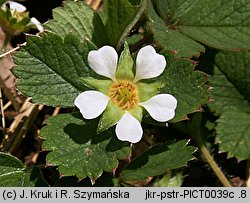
(125, 194)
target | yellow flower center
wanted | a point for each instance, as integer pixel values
(124, 94)
(18, 15)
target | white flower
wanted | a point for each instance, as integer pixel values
(16, 9)
(149, 64)
(14, 6)
(35, 22)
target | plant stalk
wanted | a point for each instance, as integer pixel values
(214, 166)
(142, 8)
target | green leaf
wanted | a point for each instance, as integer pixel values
(120, 16)
(49, 69)
(231, 88)
(169, 180)
(172, 39)
(78, 150)
(2, 1)
(34, 178)
(181, 24)
(231, 82)
(105, 180)
(14, 174)
(233, 134)
(11, 170)
(186, 85)
(80, 19)
(158, 160)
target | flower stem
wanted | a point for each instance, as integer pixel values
(214, 165)
(142, 8)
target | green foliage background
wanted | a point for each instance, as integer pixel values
(50, 68)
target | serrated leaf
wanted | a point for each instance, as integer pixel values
(231, 82)
(172, 39)
(78, 150)
(49, 69)
(222, 24)
(188, 86)
(233, 134)
(80, 19)
(105, 180)
(158, 160)
(14, 174)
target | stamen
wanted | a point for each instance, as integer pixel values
(124, 94)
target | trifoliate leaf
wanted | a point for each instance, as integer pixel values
(158, 160)
(181, 25)
(14, 174)
(231, 82)
(78, 150)
(49, 69)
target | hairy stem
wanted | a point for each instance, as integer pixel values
(214, 165)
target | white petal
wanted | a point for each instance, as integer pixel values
(104, 61)
(37, 24)
(149, 64)
(129, 129)
(91, 103)
(15, 6)
(161, 107)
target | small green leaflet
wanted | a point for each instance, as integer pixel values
(109, 26)
(231, 87)
(80, 19)
(181, 25)
(14, 174)
(188, 86)
(158, 160)
(78, 150)
(49, 69)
